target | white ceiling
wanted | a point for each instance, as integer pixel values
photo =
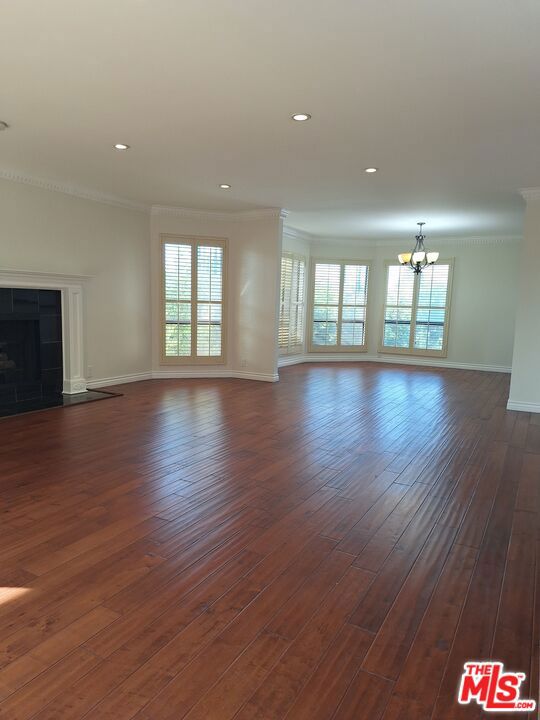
(442, 95)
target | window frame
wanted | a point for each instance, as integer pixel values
(296, 349)
(411, 350)
(311, 306)
(194, 241)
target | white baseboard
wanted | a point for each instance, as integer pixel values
(334, 357)
(119, 380)
(391, 359)
(265, 377)
(523, 406)
(180, 374)
(214, 373)
(434, 362)
(291, 360)
(209, 372)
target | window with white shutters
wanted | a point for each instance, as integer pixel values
(193, 302)
(291, 304)
(416, 310)
(339, 306)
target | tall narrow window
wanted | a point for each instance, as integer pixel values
(416, 310)
(291, 304)
(339, 306)
(193, 300)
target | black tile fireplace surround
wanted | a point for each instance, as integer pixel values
(31, 368)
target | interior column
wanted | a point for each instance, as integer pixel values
(525, 382)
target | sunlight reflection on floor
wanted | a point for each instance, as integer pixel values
(7, 594)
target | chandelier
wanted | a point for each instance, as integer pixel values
(419, 257)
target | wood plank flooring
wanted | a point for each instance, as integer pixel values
(329, 547)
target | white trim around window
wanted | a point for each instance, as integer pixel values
(416, 309)
(193, 300)
(338, 303)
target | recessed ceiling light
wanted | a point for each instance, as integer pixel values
(3, 125)
(301, 117)
(224, 186)
(371, 170)
(121, 146)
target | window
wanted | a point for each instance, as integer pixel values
(291, 304)
(416, 310)
(193, 307)
(338, 319)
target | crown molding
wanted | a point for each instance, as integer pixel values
(247, 215)
(108, 199)
(296, 234)
(189, 213)
(73, 190)
(238, 216)
(433, 242)
(36, 276)
(470, 240)
(482, 240)
(532, 193)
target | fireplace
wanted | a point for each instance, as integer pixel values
(31, 356)
(58, 344)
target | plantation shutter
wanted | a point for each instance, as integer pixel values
(354, 303)
(285, 302)
(177, 300)
(193, 300)
(209, 300)
(291, 306)
(297, 304)
(416, 309)
(431, 308)
(326, 293)
(339, 306)
(398, 310)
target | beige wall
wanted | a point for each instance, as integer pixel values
(119, 249)
(254, 253)
(296, 245)
(54, 232)
(525, 384)
(483, 304)
(256, 296)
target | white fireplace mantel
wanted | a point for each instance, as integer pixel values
(72, 289)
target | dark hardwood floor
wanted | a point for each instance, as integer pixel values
(335, 545)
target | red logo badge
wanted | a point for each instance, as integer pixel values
(489, 685)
